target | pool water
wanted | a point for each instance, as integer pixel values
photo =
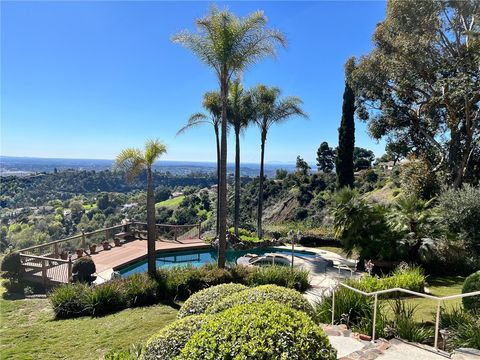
(204, 256)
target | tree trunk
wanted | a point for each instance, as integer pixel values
(151, 229)
(260, 188)
(218, 181)
(237, 182)
(222, 227)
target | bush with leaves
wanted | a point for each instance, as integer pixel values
(106, 298)
(11, 266)
(259, 331)
(285, 276)
(169, 341)
(261, 294)
(139, 290)
(471, 284)
(83, 268)
(200, 301)
(71, 300)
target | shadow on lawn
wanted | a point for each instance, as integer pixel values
(446, 281)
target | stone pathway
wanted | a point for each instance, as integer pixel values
(353, 346)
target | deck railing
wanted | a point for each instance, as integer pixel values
(52, 261)
(410, 292)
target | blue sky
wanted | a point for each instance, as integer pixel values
(86, 79)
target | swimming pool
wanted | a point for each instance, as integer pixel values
(204, 256)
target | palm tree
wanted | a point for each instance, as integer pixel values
(133, 161)
(228, 45)
(270, 110)
(240, 114)
(211, 103)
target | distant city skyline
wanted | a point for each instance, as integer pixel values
(83, 80)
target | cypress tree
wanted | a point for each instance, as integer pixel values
(346, 140)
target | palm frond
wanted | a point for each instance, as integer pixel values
(154, 148)
(131, 162)
(193, 121)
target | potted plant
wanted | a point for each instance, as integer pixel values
(106, 245)
(116, 241)
(93, 248)
(80, 252)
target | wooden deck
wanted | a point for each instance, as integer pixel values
(117, 256)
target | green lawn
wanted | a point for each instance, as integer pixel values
(28, 330)
(170, 203)
(437, 286)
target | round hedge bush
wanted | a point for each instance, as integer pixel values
(472, 283)
(83, 269)
(259, 331)
(169, 341)
(200, 301)
(261, 294)
(11, 265)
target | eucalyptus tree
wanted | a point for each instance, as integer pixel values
(229, 44)
(133, 161)
(270, 110)
(212, 103)
(240, 115)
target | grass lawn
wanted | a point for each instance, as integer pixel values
(28, 330)
(437, 286)
(170, 203)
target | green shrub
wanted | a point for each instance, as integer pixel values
(261, 294)
(139, 290)
(350, 307)
(200, 301)
(279, 275)
(405, 326)
(132, 353)
(106, 298)
(70, 300)
(169, 341)
(259, 331)
(472, 283)
(11, 266)
(467, 335)
(83, 269)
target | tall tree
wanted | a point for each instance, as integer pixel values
(346, 135)
(240, 115)
(362, 158)
(213, 104)
(421, 82)
(325, 158)
(133, 161)
(228, 45)
(270, 110)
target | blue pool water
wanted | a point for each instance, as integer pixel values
(205, 256)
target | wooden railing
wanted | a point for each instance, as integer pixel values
(52, 261)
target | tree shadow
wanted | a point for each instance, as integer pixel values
(446, 281)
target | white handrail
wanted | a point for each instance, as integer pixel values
(439, 300)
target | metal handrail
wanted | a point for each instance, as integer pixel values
(439, 300)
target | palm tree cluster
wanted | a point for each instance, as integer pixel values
(229, 45)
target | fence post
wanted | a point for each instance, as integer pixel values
(69, 274)
(44, 273)
(55, 250)
(83, 239)
(437, 324)
(374, 317)
(333, 305)
(199, 229)
(175, 233)
(106, 234)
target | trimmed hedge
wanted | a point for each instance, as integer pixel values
(169, 341)
(83, 268)
(11, 266)
(279, 275)
(200, 301)
(261, 294)
(259, 331)
(472, 283)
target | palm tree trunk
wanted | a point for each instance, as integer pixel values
(222, 227)
(151, 230)
(237, 182)
(218, 181)
(260, 189)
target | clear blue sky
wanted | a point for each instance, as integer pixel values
(86, 79)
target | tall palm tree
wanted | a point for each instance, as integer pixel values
(270, 109)
(240, 115)
(133, 161)
(211, 103)
(228, 45)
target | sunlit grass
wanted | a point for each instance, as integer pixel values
(170, 203)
